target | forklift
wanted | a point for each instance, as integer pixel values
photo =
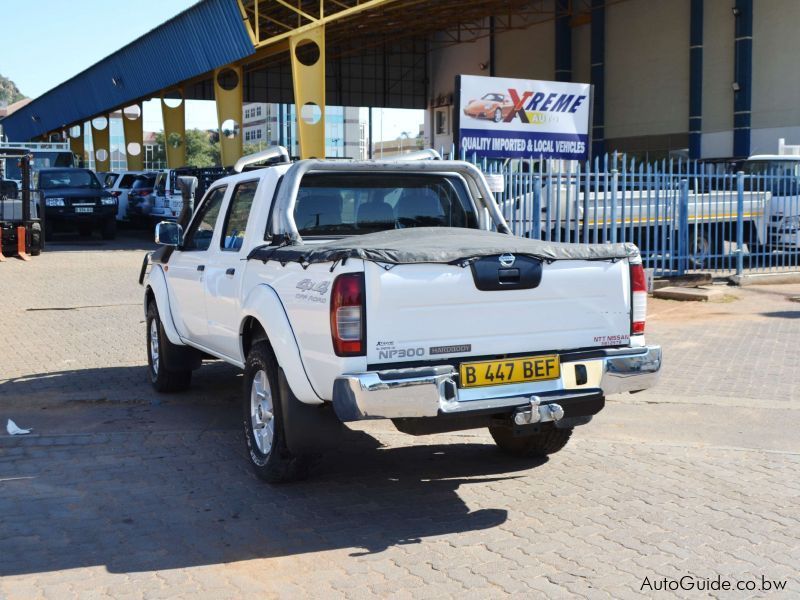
(20, 231)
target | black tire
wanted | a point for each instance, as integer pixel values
(539, 445)
(164, 379)
(35, 240)
(109, 229)
(269, 456)
(498, 115)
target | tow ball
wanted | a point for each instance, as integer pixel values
(537, 412)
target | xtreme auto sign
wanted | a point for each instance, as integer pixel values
(522, 118)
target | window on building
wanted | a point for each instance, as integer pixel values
(441, 121)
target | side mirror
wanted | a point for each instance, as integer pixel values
(169, 233)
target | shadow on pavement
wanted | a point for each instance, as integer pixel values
(152, 501)
(782, 314)
(215, 382)
(127, 239)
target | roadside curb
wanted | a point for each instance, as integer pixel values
(765, 278)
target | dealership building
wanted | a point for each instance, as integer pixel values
(714, 76)
(703, 78)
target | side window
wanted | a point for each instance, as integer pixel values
(202, 228)
(238, 211)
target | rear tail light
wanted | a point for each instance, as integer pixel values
(348, 315)
(638, 299)
(116, 194)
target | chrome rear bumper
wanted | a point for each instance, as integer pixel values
(432, 391)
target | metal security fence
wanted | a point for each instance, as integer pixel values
(683, 215)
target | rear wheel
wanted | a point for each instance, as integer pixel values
(538, 445)
(263, 420)
(163, 378)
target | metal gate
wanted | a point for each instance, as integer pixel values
(683, 215)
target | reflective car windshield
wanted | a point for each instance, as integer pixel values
(784, 168)
(338, 204)
(49, 180)
(493, 97)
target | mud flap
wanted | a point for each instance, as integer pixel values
(309, 428)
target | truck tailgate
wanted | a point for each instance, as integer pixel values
(423, 312)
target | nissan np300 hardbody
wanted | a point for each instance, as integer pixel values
(391, 290)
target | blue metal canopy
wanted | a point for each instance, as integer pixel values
(206, 36)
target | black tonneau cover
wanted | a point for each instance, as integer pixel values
(443, 245)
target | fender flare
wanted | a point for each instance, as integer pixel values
(157, 284)
(264, 305)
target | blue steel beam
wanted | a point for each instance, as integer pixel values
(695, 78)
(206, 36)
(563, 37)
(743, 65)
(598, 76)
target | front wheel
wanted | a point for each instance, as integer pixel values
(538, 445)
(164, 378)
(109, 229)
(262, 416)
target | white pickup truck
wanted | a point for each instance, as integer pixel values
(364, 290)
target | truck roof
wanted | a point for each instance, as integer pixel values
(794, 157)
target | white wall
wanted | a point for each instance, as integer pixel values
(527, 53)
(647, 68)
(718, 48)
(443, 66)
(776, 74)
(582, 54)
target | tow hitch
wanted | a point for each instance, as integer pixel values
(537, 412)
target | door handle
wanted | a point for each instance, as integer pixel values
(230, 272)
(201, 267)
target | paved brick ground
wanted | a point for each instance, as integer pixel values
(121, 493)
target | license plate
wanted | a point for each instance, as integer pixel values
(510, 370)
(84, 209)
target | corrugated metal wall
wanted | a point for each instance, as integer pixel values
(206, 36)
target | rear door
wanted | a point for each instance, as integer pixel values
(436, 312)
(223, 279)
(186, 269)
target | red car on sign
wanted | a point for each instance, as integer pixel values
(495, 107)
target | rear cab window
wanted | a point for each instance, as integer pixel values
(233, 231)
(198, 237)
(343, 204)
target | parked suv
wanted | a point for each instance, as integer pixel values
(140, 200)
(119, 185)
(75, 199)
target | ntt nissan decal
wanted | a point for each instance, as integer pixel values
(521, 118)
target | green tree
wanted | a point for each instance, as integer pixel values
(201, 150)
(9, 92)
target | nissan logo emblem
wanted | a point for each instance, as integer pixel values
(507, 260)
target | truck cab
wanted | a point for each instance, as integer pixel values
(368, 289)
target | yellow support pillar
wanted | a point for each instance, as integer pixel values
(173, 110)
(228, 96)
(76, 143)
(134, 136)
(101, 143)
(307, 50)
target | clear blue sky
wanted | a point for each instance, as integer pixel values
(45, 42)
